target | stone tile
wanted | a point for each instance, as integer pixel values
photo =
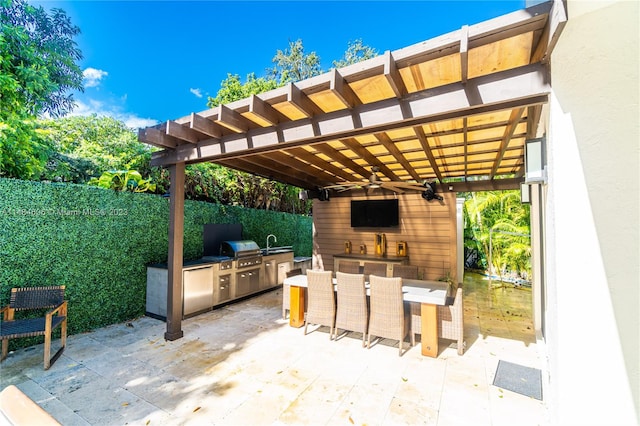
(243, 364)
(422, 382)
(52, 405)
(263, 406)
(403, 412)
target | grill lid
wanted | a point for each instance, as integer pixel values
(239, 248)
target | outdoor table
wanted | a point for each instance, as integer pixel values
(428, 293)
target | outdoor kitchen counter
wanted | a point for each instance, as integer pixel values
(388, 260)
(216, 280)
(192, 263)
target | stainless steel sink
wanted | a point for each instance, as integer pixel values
(276, 250)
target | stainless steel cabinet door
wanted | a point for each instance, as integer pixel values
(197, 290)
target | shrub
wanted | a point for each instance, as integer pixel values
(98, 242)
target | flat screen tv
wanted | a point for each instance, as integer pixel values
(374, 213)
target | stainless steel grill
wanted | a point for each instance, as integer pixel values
(247, 257)
(246, 252)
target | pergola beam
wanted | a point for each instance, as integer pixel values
(464, 53)
(205, 126)
(516, 114)
(263, 110)
(520, 87)
(301, 101)
(393, 75)
(342, 90)
(184, 133)
(260, 168)
(232, 119)
(305, 155)
(342, 159)
(427, 150)
(393, 149)
(367, 156)
(157, 138)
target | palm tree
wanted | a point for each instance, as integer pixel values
(498, 221)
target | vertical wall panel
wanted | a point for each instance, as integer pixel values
(428, 227)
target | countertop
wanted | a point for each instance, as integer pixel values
(210, 260)
(387, 257)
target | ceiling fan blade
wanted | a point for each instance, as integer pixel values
(348, 188)
(342, 185)
(409, 185)
(393, 187)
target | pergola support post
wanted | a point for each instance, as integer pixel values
(175, 257)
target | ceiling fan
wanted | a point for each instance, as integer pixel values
(374, 183)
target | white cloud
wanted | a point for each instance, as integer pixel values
(92, 106)
(197, 92)
(92, 77)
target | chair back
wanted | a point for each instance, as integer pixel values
(350, 286)
(349, 267)
(387, 307)
(320, 292)
(409, 272)
(26, 298)
(451, 321)
(321, 302)
(294, 272)
(374, 268)
(319, 281)
(352, 311)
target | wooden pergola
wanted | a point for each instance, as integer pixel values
(457, 109)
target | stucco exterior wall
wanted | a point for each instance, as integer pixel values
(592, 217)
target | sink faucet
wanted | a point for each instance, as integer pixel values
(275, 240)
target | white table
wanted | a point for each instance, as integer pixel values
(429, 294)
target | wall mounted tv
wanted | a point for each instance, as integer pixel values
(374, 213)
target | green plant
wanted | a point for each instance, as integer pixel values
(497, 227)
(447, 278)
(124, 180)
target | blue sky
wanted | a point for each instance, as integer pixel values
(150, 61)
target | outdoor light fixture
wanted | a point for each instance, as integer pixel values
(535, 161)
(525, 193)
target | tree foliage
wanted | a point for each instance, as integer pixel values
(42, 57)
(37, 71)
(233, 88)
(293, 64)
(86, 147)
(501, 217)
(356, 52)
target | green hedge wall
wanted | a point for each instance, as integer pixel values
(98, 242)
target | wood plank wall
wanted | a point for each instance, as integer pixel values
(428, 227)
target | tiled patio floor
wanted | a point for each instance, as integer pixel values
(243, 365)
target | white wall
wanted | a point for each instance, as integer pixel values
(593, 249)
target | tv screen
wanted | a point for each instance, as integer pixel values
(374, 213)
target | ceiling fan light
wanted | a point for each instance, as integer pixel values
(374, 185)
